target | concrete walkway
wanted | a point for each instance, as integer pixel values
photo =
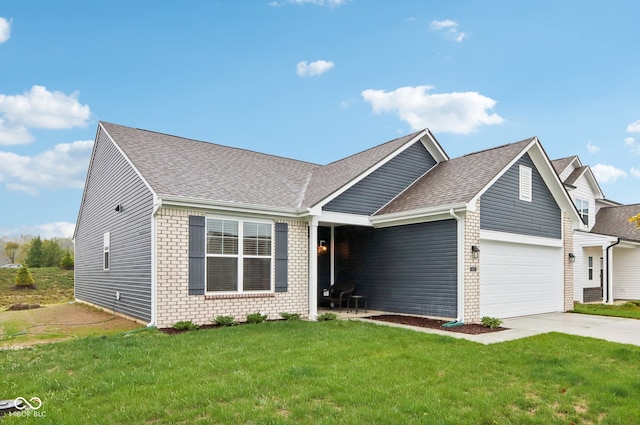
(614, 329)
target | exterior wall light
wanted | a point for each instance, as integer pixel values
(572, 257)
(475, 251)
(322, 247)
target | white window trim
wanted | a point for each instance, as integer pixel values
(526, 183)
(106, 251)
(580, 204)
(240, 256)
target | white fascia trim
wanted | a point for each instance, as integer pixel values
(434, 148)
(418, 216)
(493, 235)
(198, 203)
(329, 217)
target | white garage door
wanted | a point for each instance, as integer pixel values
(520, 279)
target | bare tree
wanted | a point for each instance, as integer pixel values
(11, 249)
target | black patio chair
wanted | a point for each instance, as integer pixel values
(341, 291)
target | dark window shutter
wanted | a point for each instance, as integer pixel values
(282, 256)
(196, 254)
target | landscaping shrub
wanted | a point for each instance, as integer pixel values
(185, 325)
(24, 278)
(225, 321)
(290, 316)
(491, 322)
(327, 316)
(256, 317)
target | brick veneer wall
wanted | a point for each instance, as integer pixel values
(472, 278)
(567, 230)
(173, 300)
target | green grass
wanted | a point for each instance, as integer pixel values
(630, 310)
(336, 372)
(52, 286)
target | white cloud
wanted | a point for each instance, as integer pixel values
(460, 113)
(14, 134)
(5, 29)
(607, 173)
(40, 108)
(633, 144)
(634, 127)
(58, 229)
(64, 166)
(16, 187)
(635, 172)
(592, 148)
(450, 29)
(318, 67)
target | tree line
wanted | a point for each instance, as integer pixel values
(36, 252)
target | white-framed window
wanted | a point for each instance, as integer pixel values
(107, 251)
(590, 268)
(239, 255)
(525, 183)
(583, 210)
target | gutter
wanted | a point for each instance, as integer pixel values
(461, 267)
(609, 293)
(154, 259)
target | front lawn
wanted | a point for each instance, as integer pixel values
(340, 372)
(630, 309)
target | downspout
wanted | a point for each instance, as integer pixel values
(154, 259)
(461, 268)
(609, 297)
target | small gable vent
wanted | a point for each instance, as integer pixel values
(525, 183)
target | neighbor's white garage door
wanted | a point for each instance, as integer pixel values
(520, 279)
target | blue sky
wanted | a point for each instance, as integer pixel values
(314, 80)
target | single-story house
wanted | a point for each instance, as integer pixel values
(176, 229)
(607, 251)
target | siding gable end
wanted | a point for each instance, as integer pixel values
(385, 183)
(502, 210)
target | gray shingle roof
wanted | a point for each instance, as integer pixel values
(614, 221)
(575, 175)
(456, 181)
(562, 163)
(175, 166)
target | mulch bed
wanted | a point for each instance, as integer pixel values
(424, 322)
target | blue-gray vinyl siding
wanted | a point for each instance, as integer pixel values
(404, 269)
(385, 183)
(502, 210)
(112, 181)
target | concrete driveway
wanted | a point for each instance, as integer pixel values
(614, 329)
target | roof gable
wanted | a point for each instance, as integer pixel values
(456, 181)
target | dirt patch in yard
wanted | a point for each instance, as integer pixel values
(58, 322)
(424, 322)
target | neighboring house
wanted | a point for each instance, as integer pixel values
(175, 229)
(607, 252)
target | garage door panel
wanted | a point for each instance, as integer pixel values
(519, 279)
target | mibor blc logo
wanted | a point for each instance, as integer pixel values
(28, 407)
(33, 403)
